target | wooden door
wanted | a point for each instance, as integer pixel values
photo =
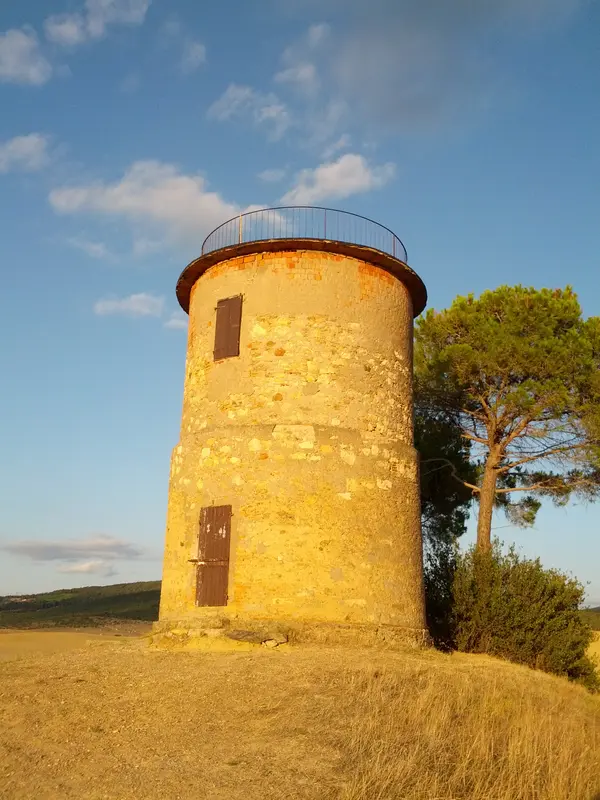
(213, 556)
(227, 328)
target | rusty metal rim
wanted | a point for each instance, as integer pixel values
(377, 258)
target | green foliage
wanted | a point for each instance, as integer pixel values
(518, 371)
(445, 466)
(439, 569)
(445, 502)
(89, 606)
(513, 608)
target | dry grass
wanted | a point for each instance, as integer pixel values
(479, 731)
(594, 649)
(118, 722)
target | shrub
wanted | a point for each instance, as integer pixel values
(513, 608)
(440, 562)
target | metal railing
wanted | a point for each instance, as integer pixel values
(304, 222)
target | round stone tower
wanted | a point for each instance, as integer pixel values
(294, 491)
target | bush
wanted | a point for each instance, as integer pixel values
(513, 608)
(440, 565)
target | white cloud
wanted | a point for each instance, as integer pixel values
(93, 20)
(67, 30)
(97, 567)
(309, 108)
(93, 249)
(262, 108)
(21, 60)
(151, 193)
(341, 144)
(317, 34)
(300, 71)
(145, 246)
(194, 55)
(136, 305)
(303, 75)
(177, 321)
(27, 153)
(102, 13)
(350, 174)
(272, 175)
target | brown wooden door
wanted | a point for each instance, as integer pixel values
(227, 328)
(213, 556)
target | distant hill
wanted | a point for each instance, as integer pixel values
(89, 606)
(592, 617)
(100, 605)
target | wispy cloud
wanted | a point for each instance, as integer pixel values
(21, 59)
(171, 28)
(28, 153)
(177, 321)
(309, 109)
(391, 66)
(103, 547)
(93, 20)
(139, 306)
(151, 194)
(350, 174)
(97, 567)
(67, 30)
(302, 75)
(194, 55)
(135, 305)
(174, 36)
(263, 109)
(414, 64)
(93, 555)
(130, 83)
(317, 34)
(272, 175)
(92, 249)
(299, 67)
(340, 144)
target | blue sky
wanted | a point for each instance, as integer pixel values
(129, 129)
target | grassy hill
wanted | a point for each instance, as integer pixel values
(89, 606)
(98, 605)
(123, 720)
(592, 617)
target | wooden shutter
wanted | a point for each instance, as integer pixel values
(227, 328)
(213, 556)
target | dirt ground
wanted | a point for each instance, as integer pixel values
(96, 717)
(92, 715)
(15, 644)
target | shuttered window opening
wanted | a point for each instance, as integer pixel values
(213, 556)
(227, 328)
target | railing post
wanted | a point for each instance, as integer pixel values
(240, 231)
(325, 225)
(394, 246)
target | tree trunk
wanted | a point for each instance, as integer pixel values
(487, 496)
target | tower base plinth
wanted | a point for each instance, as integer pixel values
(189, 634)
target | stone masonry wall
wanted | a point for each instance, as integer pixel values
(308, 435)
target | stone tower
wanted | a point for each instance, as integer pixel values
(294, 490)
